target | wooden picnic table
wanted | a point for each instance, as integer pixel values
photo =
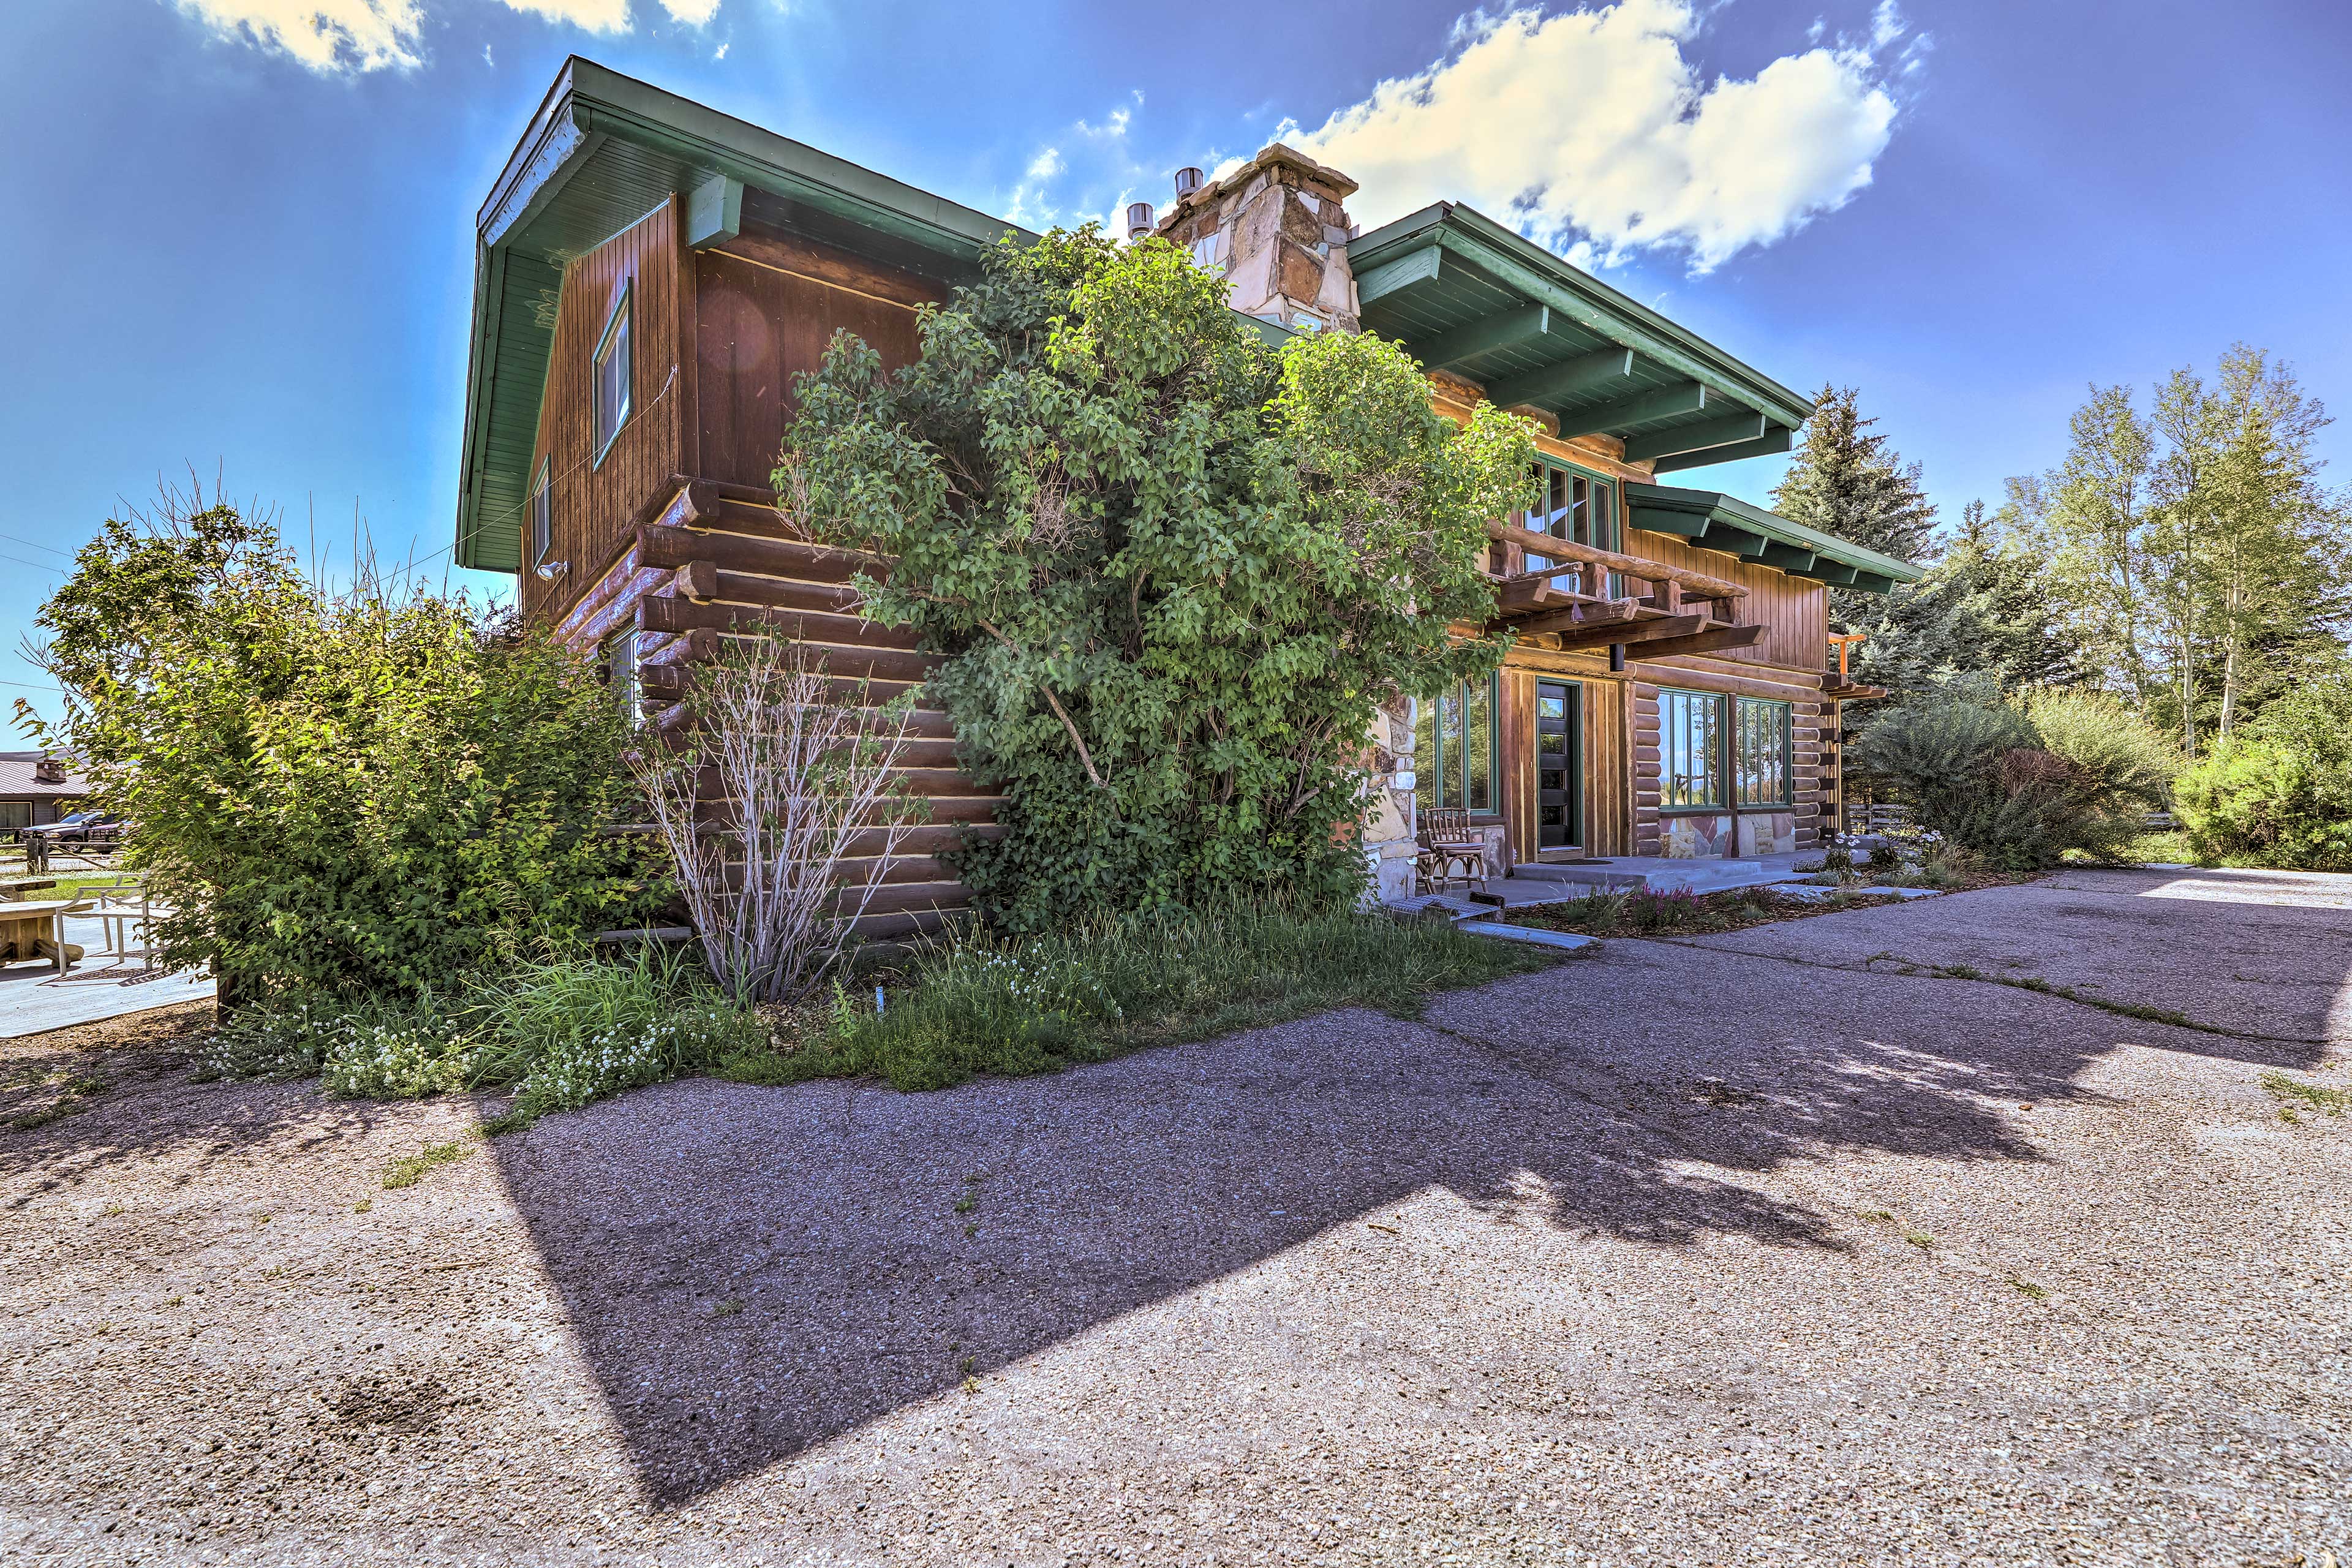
(33, 924)
(17, 887)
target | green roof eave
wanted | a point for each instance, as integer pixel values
(1531, 275)
(644, 146)
(1791, 546)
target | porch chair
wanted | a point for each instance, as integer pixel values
(1447, 842)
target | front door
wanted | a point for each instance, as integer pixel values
(1560, 765)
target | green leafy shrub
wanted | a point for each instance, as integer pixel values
(1980, 773)
(1105, 984)
(564, 1031)
(2125, 763)
(370, 791)
(2279, 791)
(1173, 574)
(571, 1030)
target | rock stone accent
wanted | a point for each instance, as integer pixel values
(1279, 228)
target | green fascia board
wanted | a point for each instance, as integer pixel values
(1541, 277)
(684, 146)
(1663, 509)
(1772, 441)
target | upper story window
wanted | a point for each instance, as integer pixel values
(542, 523)
(1582, 510)
(613, 375)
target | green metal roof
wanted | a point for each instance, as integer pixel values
(1714, 521)
(1468, 295)
(603, 150)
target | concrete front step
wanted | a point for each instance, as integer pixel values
(1644, 873)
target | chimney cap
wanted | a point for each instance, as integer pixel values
(1139, 219)
(1188, 180)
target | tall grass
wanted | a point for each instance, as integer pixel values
(975, 1005)
(564, 1031)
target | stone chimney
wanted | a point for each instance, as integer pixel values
(1277, 227)
(50, 770)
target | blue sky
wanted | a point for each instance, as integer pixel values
(242, 243)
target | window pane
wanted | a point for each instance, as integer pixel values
(1479, 746)
(1764, 762)
(1424, 753)
(1688, 741)
(1449, 747)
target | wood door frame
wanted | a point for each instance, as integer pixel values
(1578, 755)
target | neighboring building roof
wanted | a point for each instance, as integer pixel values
(602, 151)
(20, 779)
(1463, 294)
(1724, 522)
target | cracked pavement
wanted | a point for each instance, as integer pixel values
(1752, 1248)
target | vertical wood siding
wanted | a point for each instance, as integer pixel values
(591, 503)
(766, 307)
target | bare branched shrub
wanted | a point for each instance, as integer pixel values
(781, 808)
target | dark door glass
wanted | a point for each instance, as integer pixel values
(1559, 817)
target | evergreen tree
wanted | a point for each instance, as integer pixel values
(1984, 614)
(1848, 480)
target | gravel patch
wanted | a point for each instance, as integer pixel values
(1673, 1254)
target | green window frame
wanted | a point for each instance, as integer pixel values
(1762, 751)
(1690, 750)
(1454, 748)
(613, 374)
(1581, 507)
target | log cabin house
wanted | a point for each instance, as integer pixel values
(651, 275)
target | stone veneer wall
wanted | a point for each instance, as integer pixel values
(1279, 228)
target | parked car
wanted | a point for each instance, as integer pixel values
(86, 831)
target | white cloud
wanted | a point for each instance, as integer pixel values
(722, 50)
(1593, 126)
(324, 35)
(594, 16)
(697, 13)
(1047, 164)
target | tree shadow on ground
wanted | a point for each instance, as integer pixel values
(83, 1101)
(752, 1272)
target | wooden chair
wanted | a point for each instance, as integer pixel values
(1447, 842)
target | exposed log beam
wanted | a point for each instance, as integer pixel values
(1689, 397)
(1638, 633)
(1537, 592)
(1715, 640)
(1486, 335)
(1698, 583)
(1706, 434)
(1614, 614)
(1774, 439)
(1578, 377)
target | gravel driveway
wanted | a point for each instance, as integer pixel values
(1750, 1249)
